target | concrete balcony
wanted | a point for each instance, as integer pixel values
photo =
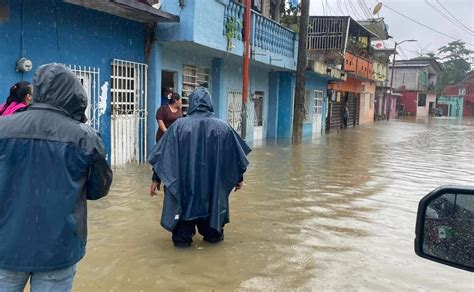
(327, 71)
(271, 42)
(207, 24)
(358, 66)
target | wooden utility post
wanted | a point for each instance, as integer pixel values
(389, 101)
(299, 110)
(245, 77)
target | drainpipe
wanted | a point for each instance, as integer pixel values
(245, 79)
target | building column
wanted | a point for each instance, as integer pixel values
(285, 105)
(154, 93)
(272, 112)
(217, 87)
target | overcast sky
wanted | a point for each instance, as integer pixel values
(401, 28)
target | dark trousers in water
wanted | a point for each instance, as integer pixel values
(345, 122)
(184, 231)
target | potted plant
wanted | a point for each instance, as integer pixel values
(232, 28)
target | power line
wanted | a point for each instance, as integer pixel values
(446, 16)
(324, 10)
(364, 10)
(329, 8)
(339, 7)
(367, 7)
(454, 17)
(354, 10)
(346, 6)
(399, 48)
(403, 52)
(424, 25)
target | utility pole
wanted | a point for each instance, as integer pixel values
(389, 101)
(299, 110)
(245, 79)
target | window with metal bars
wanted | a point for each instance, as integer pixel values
(258, 108)
(90, 80)
(318, 102)
(193, 77)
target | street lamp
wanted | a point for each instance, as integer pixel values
(389, 103)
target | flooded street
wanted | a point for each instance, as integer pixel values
(336, 213)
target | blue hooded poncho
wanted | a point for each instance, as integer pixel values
(199, 159)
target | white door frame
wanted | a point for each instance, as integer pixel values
(318, 112)
(129, 116)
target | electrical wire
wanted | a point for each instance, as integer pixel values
(339, 7)
(447, 17)
(402, 51)
(22, 34)
(364, 9)
(368, 8)
(354, 10)
(399, 48)
(346, 6)
(56, 27)
(454, 17)
(424, 25)
(329, 8)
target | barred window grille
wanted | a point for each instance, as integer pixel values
(258, 108)
(90, 80)
(234, 109)
(129, 116)
(193, 77)
(318, 102)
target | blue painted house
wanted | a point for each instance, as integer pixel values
(104, 43)
(207, 47)
(453, 106)
(126, 52)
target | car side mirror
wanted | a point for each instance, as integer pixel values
(445, 227)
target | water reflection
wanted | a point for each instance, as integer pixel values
(336, 213)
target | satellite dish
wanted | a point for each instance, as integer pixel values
(377, 8)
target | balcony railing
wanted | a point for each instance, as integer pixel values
(265, 33)
(327, 33)
(236, 12)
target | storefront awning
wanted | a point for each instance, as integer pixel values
(130, 9)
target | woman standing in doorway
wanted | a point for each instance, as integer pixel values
(166, 115)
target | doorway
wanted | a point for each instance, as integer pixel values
(168, 80)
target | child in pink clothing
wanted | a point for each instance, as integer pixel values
(20, 97)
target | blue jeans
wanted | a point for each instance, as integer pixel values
(58, 280)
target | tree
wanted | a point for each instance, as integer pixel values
(290, 14)
(454, 62)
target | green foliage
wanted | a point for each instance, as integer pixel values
(290, 16)
(358, 48)
(454, 62)
(232, 28)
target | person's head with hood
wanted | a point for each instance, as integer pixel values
(200, 102)
(56, 85)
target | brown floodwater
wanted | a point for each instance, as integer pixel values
(335, 213)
